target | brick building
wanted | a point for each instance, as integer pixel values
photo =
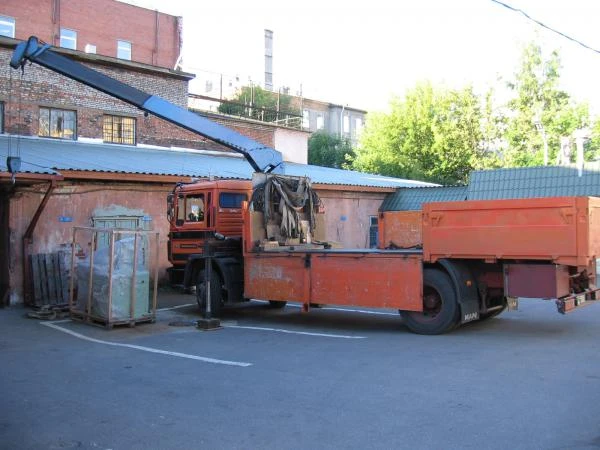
(104, 27)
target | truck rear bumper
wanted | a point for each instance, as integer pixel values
(572, 302)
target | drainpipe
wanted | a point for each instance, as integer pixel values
(28, 240)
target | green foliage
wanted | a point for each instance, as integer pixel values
(258, 103)
(539, 107)
(329, 150)
(432, 134)
(592, 148)
(440, 135)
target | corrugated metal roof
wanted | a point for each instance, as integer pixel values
(41, 155)
(412, 199)
(530, 182)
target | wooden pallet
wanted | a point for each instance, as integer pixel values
(109, 324)
(50, 280)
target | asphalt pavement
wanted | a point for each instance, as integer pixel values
(283, 379)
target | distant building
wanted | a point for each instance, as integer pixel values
(342, 121)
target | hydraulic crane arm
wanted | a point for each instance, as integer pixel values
(260, 157)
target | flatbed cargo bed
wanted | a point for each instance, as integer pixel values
(561, 230)
(356, 277)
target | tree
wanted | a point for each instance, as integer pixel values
(329, 150)
(539, 108)
(258, 103)
(432, 134)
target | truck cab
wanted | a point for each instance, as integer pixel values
(196, 211)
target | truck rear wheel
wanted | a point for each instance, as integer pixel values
(216, 294)
(441, 312)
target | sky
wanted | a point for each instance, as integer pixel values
(363, 53)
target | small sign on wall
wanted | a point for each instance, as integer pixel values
(65, 219)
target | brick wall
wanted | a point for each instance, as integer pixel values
(42, 87)
(154, 37)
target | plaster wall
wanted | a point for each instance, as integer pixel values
(75, 204)
(293, 144)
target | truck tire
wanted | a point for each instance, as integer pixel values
(276, 304)
(441, 312)
(216, 294)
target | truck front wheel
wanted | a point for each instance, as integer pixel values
(216, 294)
(441, 312)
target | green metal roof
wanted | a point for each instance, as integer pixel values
(412, 199)
(522, 182)
(531, 182)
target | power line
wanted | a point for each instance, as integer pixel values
(546, 26)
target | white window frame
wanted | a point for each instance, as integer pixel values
(305, 118)
(124, 49)
(358, 126)
(10, 23)
(68, 38)
(320, 122)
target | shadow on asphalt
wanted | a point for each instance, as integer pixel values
(533, 319)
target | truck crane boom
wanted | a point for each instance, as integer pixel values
(262, 158)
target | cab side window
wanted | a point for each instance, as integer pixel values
(194, 208)
(232, 199)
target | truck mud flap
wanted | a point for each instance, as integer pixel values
(466, 289)
(233, 277)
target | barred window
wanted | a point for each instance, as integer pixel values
(119, 130)
(373, 231)
(58, 123)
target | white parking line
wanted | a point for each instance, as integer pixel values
(280, 330)
(176, 307)
(362, 311)
(147, 349)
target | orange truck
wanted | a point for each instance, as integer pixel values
(449, 264)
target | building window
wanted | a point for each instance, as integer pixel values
(346, 124)
(7, 26)
(373, 231)
(358, 126)
(320, 122)
(124, 222)
(119, 130)
(58, 123)
(124, 50)
(305, 118)
(68, 38)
